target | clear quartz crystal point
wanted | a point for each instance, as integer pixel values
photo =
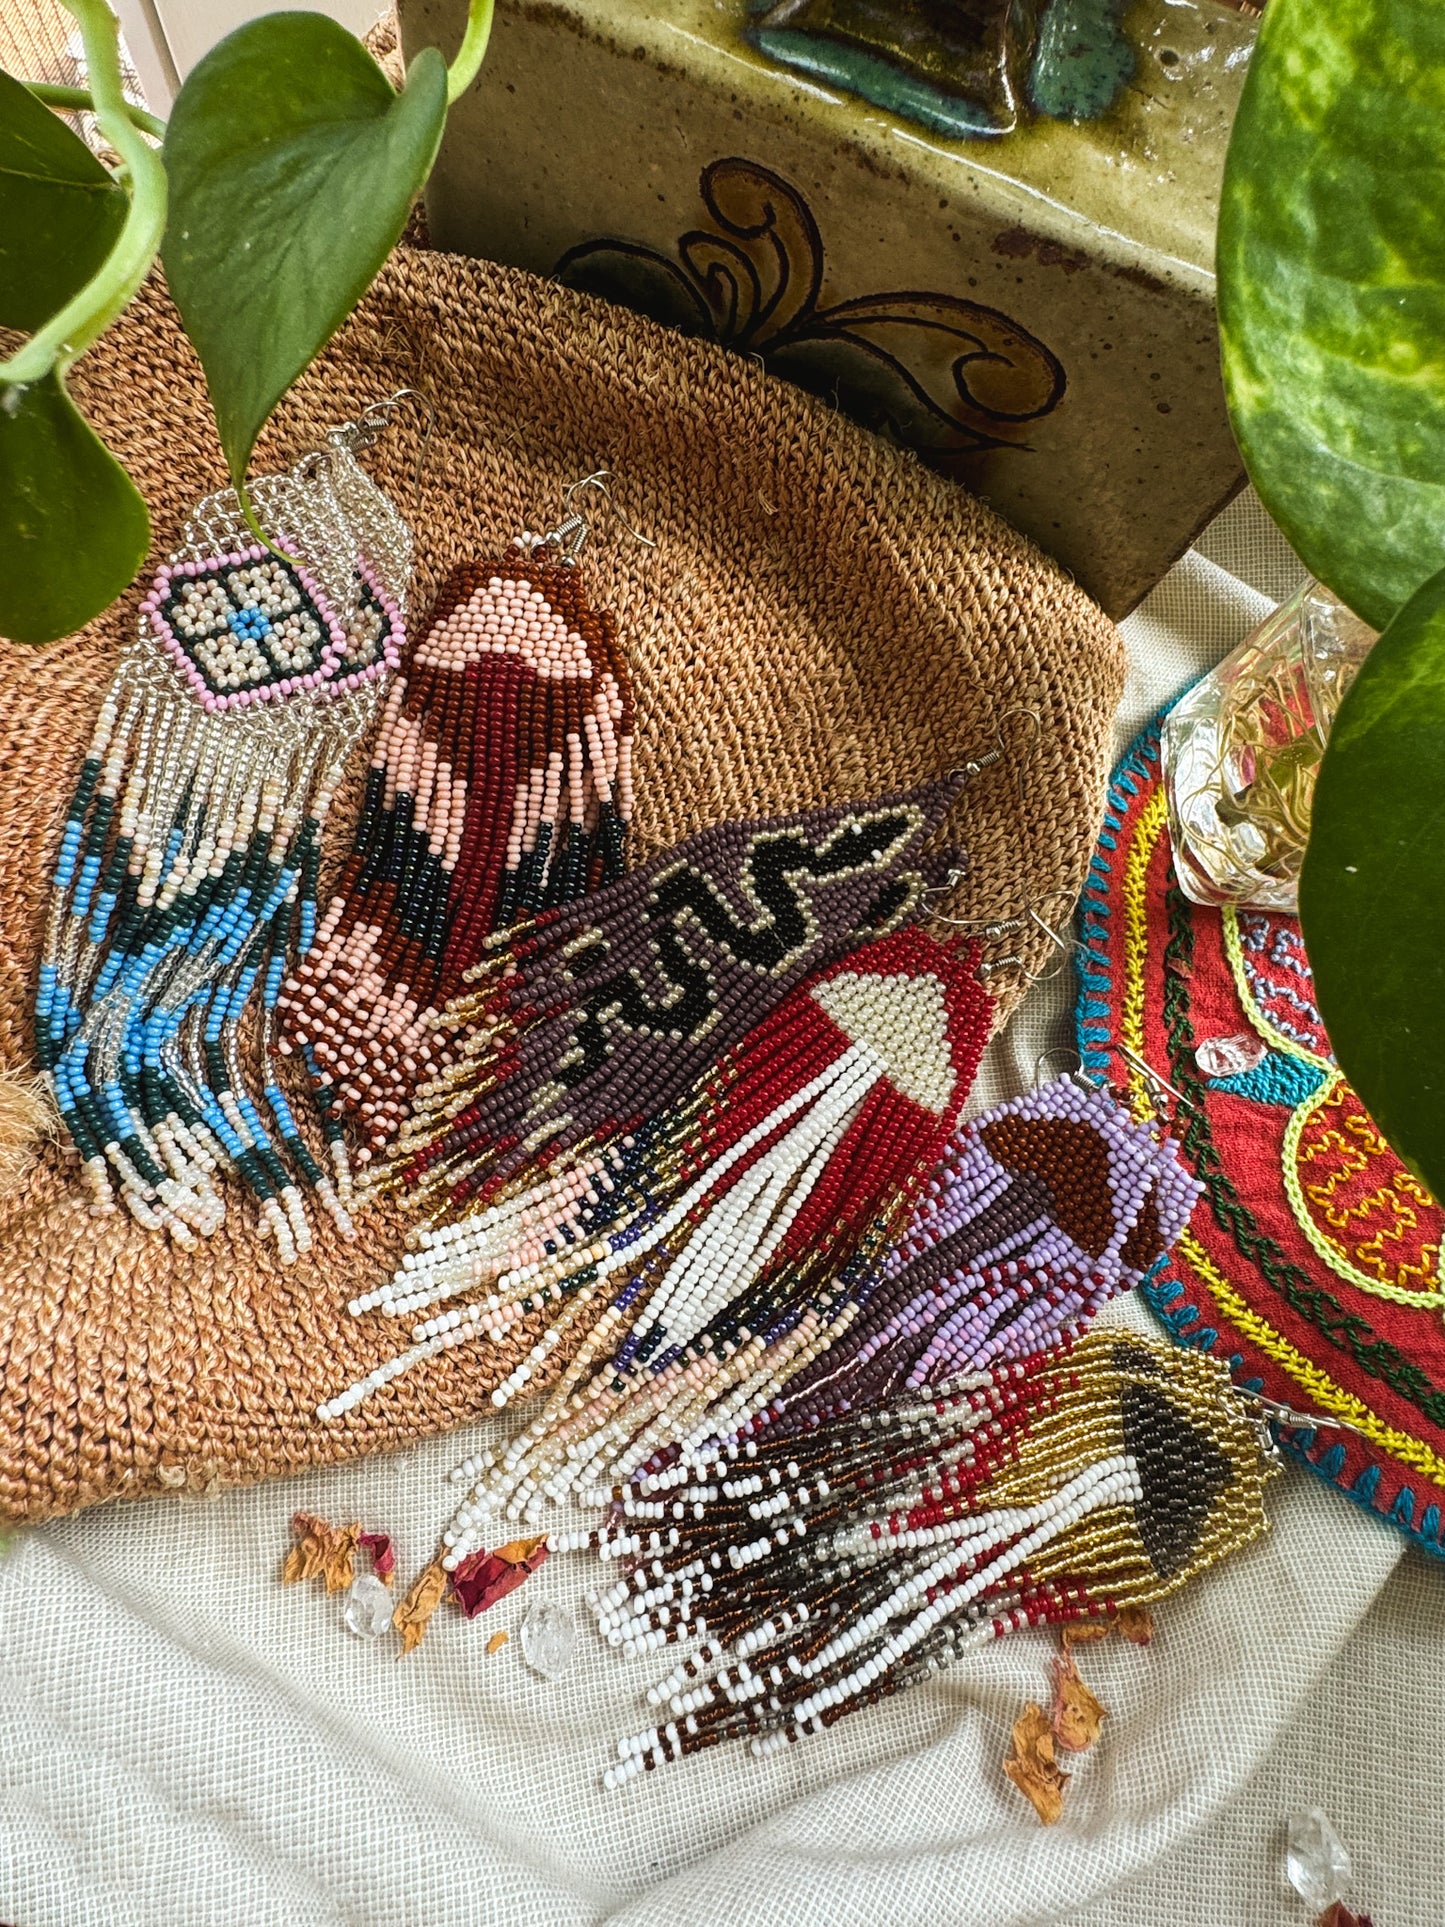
(548, 1638)
(1242, 747)
(1230, 1056)
(369, 1606)
(1317, 1860)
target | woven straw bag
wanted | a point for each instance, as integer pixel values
(820, 618)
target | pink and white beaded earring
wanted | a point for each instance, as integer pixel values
(186, 880)
(500, 787)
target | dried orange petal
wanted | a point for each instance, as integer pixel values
(1136, 1623)
(1077, 1715)
(313, 1542)
(1033, 1768)
(338, 1565)
(414, 1612)
(517, 1552)
(1084, 1632)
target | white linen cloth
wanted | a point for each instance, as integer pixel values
(183, 1743)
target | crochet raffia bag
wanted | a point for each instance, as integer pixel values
(820, 619)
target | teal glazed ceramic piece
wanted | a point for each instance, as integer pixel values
(961, 68)
(958, 67)
(1083, 60)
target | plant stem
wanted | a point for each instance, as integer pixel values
(55, 95)
(89, 313)
(463, 70)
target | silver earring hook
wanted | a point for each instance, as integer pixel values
(1268, 1413)
(1065, 945)
(1076, 1073)
(992, 967)
(374, 420)
(599, 479)
(986, 929)
(950, 883)
(995, 930)
(976, 765)
(1159, 1085)
(1022, 709)
(568, 539)
(366, 431)
(572, 533)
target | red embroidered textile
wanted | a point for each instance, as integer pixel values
(1312, 1261)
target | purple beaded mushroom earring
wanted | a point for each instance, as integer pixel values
(185, 885)
(1040, 1211)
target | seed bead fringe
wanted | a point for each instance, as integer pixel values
(704, 1251)
(500, 787)
(809, 1577)
(989, 1266)
(611, 1010)
(185, 885)
(1039, 1213)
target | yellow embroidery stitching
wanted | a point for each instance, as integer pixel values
(1152, 819)
(1328, 1396)
(1290, 1153)
(1322, 1389)
(1291, 1158)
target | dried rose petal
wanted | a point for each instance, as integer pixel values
(383, 1559)
(485, 1577)
(1033, 1768)
(414, 1612)
(1077, 1715)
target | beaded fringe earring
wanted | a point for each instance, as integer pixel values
(500, 786)
(186, 882)
(610, 1010)
(813, 1576)
(698, 1252)
(1039, 1213)
(1036, 1214)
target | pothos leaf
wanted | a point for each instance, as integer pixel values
(292, 167)
(1332, 289)
(1372, 891)
(60, 211)
(73, 528)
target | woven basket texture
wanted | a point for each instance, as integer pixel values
(819, 619)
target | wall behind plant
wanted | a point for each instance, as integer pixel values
(167, 37)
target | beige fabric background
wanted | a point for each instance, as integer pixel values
(183, 1744)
